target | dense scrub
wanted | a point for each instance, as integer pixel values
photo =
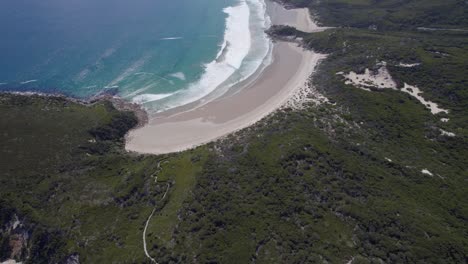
(388, 14)
(67, 183)
(292, 192)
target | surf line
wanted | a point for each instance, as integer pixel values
(146, 227)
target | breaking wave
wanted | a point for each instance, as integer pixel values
(244, 51)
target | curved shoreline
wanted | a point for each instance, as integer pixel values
(184, 129)
(244, 49)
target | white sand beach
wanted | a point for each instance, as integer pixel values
(298, 18)
(184, 128)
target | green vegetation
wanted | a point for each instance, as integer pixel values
(388, 14)
(65, 177)
(442, 74)
(288, 193)
(328, 183)
(345, 181)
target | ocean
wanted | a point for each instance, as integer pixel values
(161, 54)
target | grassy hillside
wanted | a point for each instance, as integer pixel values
(65, 177)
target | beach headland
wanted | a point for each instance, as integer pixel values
(183, 128)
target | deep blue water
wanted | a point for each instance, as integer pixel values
(81, 46)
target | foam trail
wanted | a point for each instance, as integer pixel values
(162, 78)
(146, 98)
(130, 70)
(138, 91)
(178, 75)
(172, 38)
(3, 83)
(143, 73)
(30, 81)
(98, 63)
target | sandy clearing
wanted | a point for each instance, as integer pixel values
(416, 93)
(298, 18)
(427, 172)
(383, 80)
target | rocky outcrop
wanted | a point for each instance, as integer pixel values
(15, 238)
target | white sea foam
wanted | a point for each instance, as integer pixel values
(162, 78)
(244, 50)
(237, 34)
(140, 91)
(146, 98)
(143, 73)
(130, 70)
(2, 84)
(29, 81)
(178, 75)
(107, 53)
(97, 64)
(172, 38)
(260, 53)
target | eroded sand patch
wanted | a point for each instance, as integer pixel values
(381, 79)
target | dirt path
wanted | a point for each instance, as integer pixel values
(146, 227)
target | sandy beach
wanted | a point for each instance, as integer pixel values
(184, 128)
(298, 18)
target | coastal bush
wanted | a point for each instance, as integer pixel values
(117, 128)
(387, 14)
(72, 193)
(349, 188)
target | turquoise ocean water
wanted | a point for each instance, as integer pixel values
(155, 52)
